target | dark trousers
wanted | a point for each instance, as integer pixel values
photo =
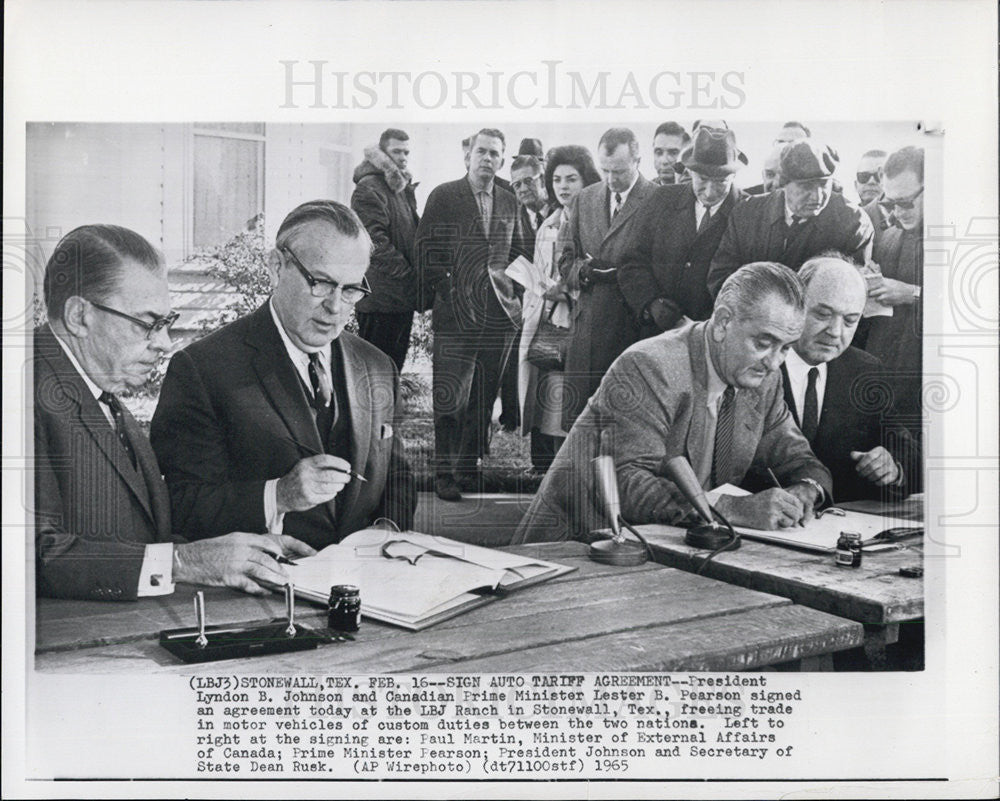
(467, 368)
(510, 404)
(387, 331)
(544, 448)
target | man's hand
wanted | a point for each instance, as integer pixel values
(239, 560)
(664, 313)
(890, 292)
(767, 510)
(877, 466)
(314, 480)
(808, 496)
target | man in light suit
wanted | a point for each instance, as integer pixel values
(102, 516)
(675, 234)
(832, 391)
(591, 247)
(465, 241)
(267, 424)
(709, 391)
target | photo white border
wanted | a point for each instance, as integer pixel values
(933, 61)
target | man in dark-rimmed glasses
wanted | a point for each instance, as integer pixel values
(281, 422)
(103, 529)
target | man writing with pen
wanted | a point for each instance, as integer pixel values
(280, 422)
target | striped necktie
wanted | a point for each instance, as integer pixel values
(722, 460)
(118, 415)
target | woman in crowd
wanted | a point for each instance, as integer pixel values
(568, 169)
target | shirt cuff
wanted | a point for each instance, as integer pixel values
(275, 522)
(156, 576)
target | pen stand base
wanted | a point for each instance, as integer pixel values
(237, 641)
(619, 554)
(711, 538)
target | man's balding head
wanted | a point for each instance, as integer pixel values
(835, 298)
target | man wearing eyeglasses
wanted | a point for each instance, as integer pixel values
(899, 255)
(803, 218)
(280, 421)
(102, 514)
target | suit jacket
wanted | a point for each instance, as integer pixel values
(460, 265)
(603, 325)
(650, 408)
(757, 232)
(669, 259)
(854, 418)
(94, 512)
(231, 411)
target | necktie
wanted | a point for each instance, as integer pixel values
(112, 402)
(706, 218)
(618, 205)
(539, 219)
(810, 407)
(322, 394)
(722, 460)
(484, 212)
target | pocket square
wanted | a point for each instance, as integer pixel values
(386, 431)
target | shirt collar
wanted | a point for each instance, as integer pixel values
(95, 390)
(625, 193)
(716, 386)
(476, 190)
(295, 353)
(798, 368)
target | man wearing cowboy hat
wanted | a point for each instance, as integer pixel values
(677, 231)
(796, 222)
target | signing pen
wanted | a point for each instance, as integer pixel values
(314, 452)
(774, 480)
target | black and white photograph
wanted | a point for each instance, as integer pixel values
(538, 417)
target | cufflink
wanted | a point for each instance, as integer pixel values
(155, 580)
(386, 430)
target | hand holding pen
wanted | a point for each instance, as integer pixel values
(314, 480)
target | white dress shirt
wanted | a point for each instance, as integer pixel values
(716, 388)
(798, 378)
(624, 196)
(156, 576)
(300, 360)
(700, 209)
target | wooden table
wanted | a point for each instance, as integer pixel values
(873, 594)
(597, 618)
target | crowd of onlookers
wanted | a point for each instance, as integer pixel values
(538, 284)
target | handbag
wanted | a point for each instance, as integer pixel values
(547, 350)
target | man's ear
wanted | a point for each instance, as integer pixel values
(76, 317)
(721, 318)
(274, 265)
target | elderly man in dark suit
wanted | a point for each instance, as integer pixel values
(792, 224)
(281, 421)
(465, 242)
(833, 391)
(591, 247)
(102, 516)
(710, 391)
(675, 234)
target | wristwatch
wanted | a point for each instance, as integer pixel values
(815, 485)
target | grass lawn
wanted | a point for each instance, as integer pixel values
(503, 468)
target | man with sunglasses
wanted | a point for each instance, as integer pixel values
(899, 255)
(868, 176)
(102, 514)
(803, 218)
(281, 421)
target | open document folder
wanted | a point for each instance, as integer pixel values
(415, 580)
(821, 533)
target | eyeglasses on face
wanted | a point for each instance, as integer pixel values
(324, 288)
(904, 204)
(865, 177)
(524, 183)
(151, 329)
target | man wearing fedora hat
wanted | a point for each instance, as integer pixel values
(801, 219)
(663, 273)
